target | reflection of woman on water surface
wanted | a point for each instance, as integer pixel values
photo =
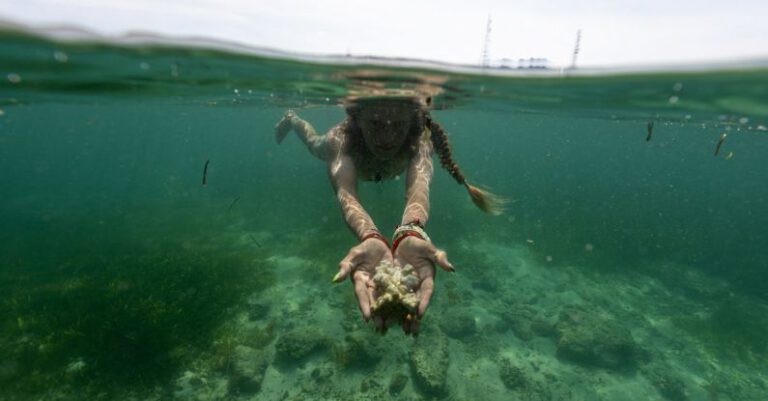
(380, 138)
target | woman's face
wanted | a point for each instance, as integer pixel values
(385, 129)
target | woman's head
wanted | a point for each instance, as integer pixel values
(387, 124)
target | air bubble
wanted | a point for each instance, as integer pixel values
(673, 99)
(60, 56)
(13, 78)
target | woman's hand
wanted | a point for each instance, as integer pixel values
(284, 126)
(361, 262)
(423, 256)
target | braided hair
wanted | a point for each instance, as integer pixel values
(483, 199)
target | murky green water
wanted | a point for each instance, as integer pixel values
(624, 269)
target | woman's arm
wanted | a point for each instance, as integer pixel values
(341, 169)
(316, 144)
(420, 173)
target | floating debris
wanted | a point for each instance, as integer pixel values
(729, 156)
(234, 202)
(254, 240)
(720, 143)
(13, 78)
(205, 173)
(650, 131)
(60, 56)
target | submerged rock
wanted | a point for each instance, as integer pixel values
(296, 345)
(397, 383)
(248, 368)
(512, 376)
(517, 380)
(360, 350)
(458, 323)
(429, 363)
(587, 339)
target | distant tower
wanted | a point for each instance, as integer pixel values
(576, 49)
(486, 56)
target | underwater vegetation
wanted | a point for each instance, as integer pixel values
(105, 321)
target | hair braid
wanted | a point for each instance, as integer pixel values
(483, 199)
(443, 148)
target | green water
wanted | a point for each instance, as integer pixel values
(624, 269)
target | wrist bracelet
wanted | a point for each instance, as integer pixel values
(377, 235)
(402, 236)
(405, 228)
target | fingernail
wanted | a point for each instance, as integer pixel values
(335, 278)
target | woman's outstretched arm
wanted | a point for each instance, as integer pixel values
(341, 169)
(316, 144)
(417, 184)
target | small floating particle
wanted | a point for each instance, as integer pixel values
(650, 131)
(237, 91)
(234, 202)
(60, 56)
(254, 240)
(677, 87)
(720, 143)
(729, 156)
(673, 99)
(144, 66)
(530, 241)
(589, 247)
(762, 128)
(743, 120)
(548, 258)
(205, 173)
(13, 78)
(2, 113)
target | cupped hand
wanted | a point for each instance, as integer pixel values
(360, 263)
(423, 256)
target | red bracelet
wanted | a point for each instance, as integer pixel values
(402, 236)
(375, 234)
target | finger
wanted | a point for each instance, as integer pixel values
(408, 323)
(363, 299)
(440, 258)
(346, 266)
(427, 287)
(415, 327)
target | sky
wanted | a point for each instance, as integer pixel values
(614, 33)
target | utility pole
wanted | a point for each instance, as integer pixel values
(576, 49)
(486, 57)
